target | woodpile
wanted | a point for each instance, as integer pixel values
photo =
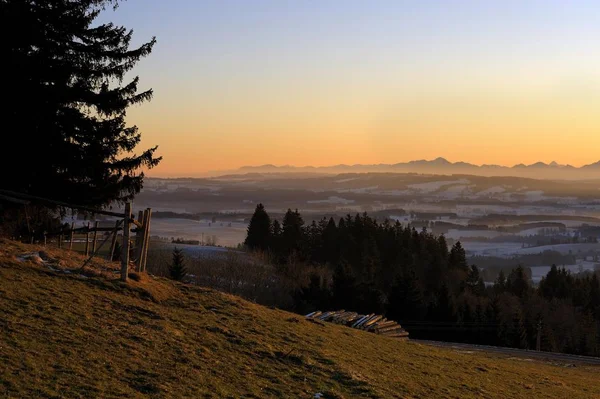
(369, 322)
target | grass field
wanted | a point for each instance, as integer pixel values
(86, 335)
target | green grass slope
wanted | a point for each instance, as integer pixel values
(67, 335)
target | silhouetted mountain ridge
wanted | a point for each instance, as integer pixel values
(441, 165)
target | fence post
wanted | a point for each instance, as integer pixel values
(113, 243)
(139, 240)
(95, 237)
(146, 239)
(71, 236)
(538, 341)
(87, 240)
(125, 250)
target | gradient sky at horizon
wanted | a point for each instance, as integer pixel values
(329, 82)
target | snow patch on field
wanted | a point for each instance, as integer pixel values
(537, 272)
(363, 190)
(433, 186)
(397, 192)
(500, 249)
(460, 188)
(460, 234)
(562, 248)
(332, 200)
(457, 191)
(509, 249)
(490, 191)
(537, 195)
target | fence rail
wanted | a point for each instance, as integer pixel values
(141, 228)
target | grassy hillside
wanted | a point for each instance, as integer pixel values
(73, 335)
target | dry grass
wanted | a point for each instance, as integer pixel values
(64, 335)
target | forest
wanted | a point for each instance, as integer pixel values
(412, 276)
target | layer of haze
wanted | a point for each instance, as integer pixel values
(327, 82)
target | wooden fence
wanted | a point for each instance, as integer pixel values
(137, 246)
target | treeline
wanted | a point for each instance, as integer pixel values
(411, 276)
(491, 265)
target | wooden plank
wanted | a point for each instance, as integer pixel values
(113, 243)
(71, 237)
(146, 239)
(87, 240)
(392, 330)
(326, 315)
(343, 318)
(399, 335)
(389, 329)
(385, 324)
(95, 237)
(144, 232)
(388, 325)
(348, 316)
(138, 242)
(362, 320)
(361, 325)
(125, 251)
(351, 320)
(338, 315)
(372, 321)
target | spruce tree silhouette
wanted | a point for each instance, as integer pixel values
(68, 102)
(177, 269)
(259, 230)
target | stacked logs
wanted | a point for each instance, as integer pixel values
(370, 322)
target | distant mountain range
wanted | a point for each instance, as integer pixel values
(540, 170)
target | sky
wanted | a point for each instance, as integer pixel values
(325, 82)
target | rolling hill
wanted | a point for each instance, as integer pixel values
(71, 333)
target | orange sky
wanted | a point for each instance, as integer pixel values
(478, 125)
(487, 83)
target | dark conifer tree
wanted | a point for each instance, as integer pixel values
(594, 302)
(259, 230)
(68, 102)
(276, 227)
(500, 283)
(518, 283)
(315, 296)
(330, 243)
(444, 305)
(177, 269)
(275, 242)
(405, 302)
(344, 287)
(474, 283)
(292, 232)
(458, 258)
